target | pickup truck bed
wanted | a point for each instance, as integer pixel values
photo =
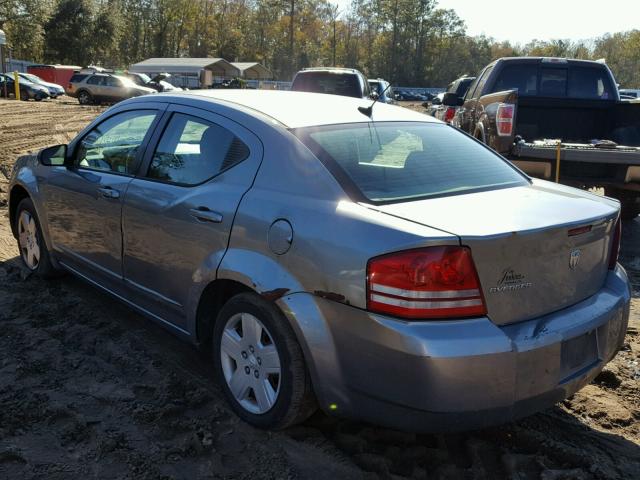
(595, 135)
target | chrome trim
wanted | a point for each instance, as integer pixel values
(399, 292)
(397, 302)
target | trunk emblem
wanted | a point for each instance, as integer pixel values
(510, 281)
(574, 258)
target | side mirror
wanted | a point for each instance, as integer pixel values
(436, 101)
(450, 99)
(53, 156)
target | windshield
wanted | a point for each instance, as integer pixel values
(30, 78)
(392, 161)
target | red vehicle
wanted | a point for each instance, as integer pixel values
(59, 74)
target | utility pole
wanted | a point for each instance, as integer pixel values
(291, 59)
(3, 65)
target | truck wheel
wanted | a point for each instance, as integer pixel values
(259, 364)
(629, 201)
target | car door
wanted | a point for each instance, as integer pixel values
(114, 90)
(178, 213)
(84, 197)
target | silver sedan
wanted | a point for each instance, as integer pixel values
(375, 263)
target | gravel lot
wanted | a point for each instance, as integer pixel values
(89, 389)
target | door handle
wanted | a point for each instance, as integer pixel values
(108, 192)
(205, 214)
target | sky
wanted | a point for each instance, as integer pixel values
(520, 21)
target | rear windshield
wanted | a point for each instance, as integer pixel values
(346, 84)
(393, 161)
(572, 81)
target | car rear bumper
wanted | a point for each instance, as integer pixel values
(455, 375)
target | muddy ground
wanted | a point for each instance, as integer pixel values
(89, 389)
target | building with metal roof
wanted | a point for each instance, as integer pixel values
(253, 71)
(188, 72)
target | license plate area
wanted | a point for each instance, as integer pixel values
(578, 355)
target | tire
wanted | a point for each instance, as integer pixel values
(629, 201)
(33, 249)
(85, 98)
(24, 96)
(243, 365)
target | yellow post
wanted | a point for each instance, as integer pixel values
(558, 162)
(16, 83)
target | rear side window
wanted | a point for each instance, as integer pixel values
(392, 162)
(520, 77)
(326, 82)
(77, 77)
(193, 150)
(588, 82)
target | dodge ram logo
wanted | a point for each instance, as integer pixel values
(574, 258)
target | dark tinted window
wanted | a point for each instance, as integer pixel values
(589, 82)
(346, 84)
(193, 150)
(553, 82)
(400, 161)
(463, 86)
(95, 80)
(521, 77)
(77, 77)
(113, 145)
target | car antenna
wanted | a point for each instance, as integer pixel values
(368, 111)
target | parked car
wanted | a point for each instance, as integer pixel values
(536, 110)
(459, 88)
(158, 82)
(54, 89)
(335, 81)
(325, 262)
(91, 88)
(28, 90)
(383, 89)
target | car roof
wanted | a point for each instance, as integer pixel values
(304, 109)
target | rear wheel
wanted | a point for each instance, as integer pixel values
(260, 365)
(24, 95)
(629, 200)
(33, 249)
(85, 98)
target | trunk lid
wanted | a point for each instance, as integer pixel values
(530, 251)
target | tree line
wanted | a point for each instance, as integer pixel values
(409, 42)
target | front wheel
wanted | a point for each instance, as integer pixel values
(33, 249)
(260, 364)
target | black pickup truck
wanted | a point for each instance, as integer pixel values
(557, 119)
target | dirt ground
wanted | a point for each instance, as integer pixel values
(89, 389)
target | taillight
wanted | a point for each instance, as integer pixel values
(432, 282)
(504, 119)
(615, 247)
(449, 114)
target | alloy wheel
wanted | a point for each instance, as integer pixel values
(28, 240)
(250, 363)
